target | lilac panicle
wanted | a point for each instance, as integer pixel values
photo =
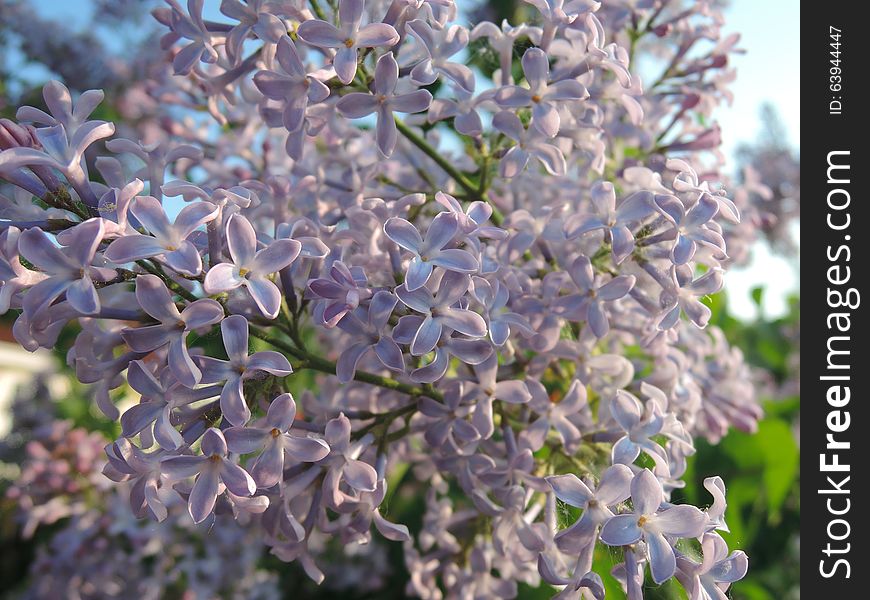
(493, 297)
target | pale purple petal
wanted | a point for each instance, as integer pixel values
(133, 247)
(646, 493)
(241, 240)
(82, 296)
(345, 368)
(386, 132)
(233, 406)
(360, 476)
(183, 367)
(427, 336)
(150, 213)
(617, 287)
(155, 299)
(234, 331)
(456, 260)
(621, 530)
(513, 392)
(614, 486)
(185, 259)
(269, 468)
(221, 278)
(682, 521)
(418, 274)
(357, 105)
(305, 449)
(281, 412)
(270, 361)
(403, 233)
(237, 479)
(245, 440)
(276, 256)
(463, 321)
(662, 562)
(182, 467)
(413, 102)
(377, 34)
(536, 67)
(569, 488)
(213, 443)
(266, 295)
(202, 313)
(345, 63)
(321, 34)
(546, 119)
(204, 493)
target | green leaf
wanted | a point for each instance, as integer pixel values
(757, 294)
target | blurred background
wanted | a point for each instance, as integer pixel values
(62, 524)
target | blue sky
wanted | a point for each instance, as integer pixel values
(768, 72)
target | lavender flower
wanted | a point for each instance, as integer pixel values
(541, 95)
(174, 326)
(275, 442)
(651, 523)
(368, 326)
(294, 87)
(348, 37)
(384, 102)
(440, 313)
(250, 268)
(214, 473)
(432, 251)
(70, 269)
(239, 368)
(169, 241)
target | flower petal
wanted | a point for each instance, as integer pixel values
(204, 494)
(621, 530)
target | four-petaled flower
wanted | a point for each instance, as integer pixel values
(174, 326)
(294, 87)
(251, 268)
(612, 489)
(432, 251)
(440, 312)
(649, 522)
(348, 37)
(214, 473)
(384, 101)
(69, 268)
(168, 241)
(275, 441)
(542, 96)
(239, 368)
(614, 221)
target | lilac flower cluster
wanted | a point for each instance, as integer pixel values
(494, 276)
(98, 549)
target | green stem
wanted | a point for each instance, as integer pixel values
(318, 363)
(318, 11)
(453, 172)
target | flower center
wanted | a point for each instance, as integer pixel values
(348, 43)
(642, 521)
(215, 458)
(536, 98)
(275, 432)
(243, 271)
